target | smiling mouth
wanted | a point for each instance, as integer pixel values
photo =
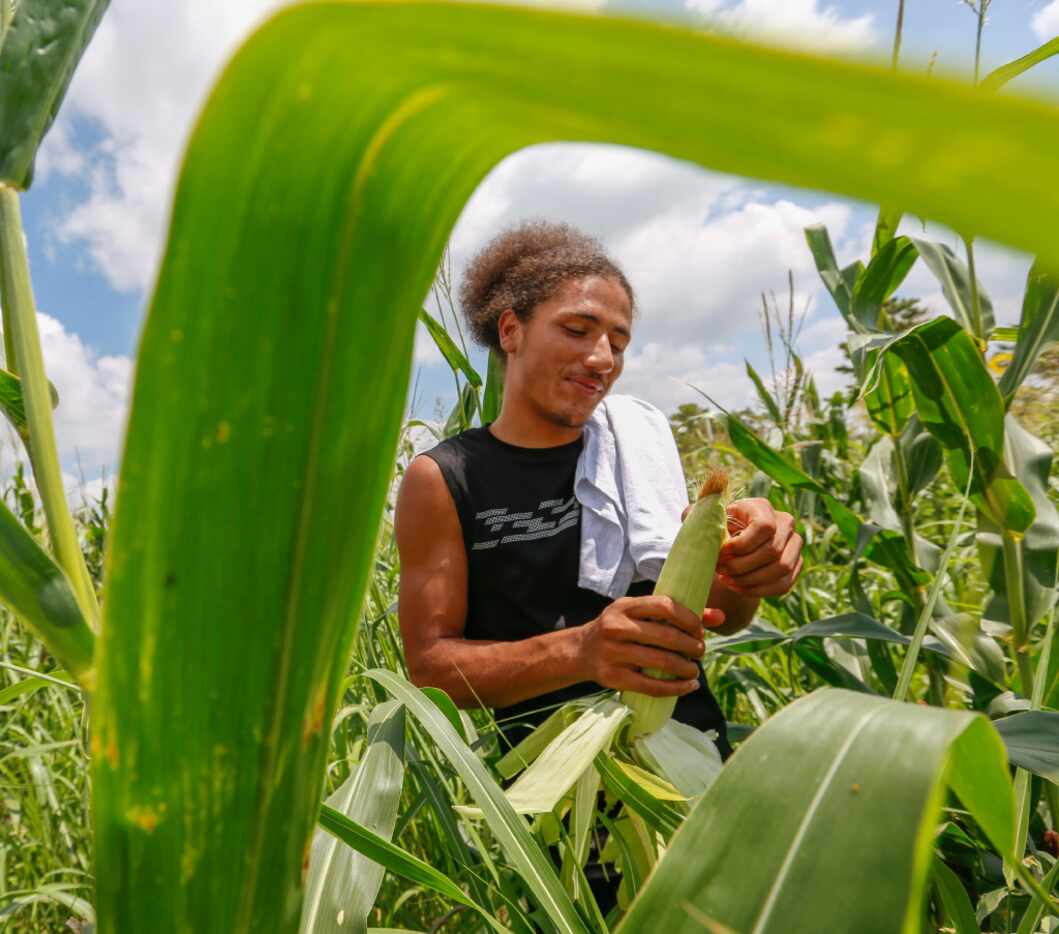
(588, 387)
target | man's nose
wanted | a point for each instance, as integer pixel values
(602, 357)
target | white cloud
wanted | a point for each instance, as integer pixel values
(58, 154)
(1046, 22)
(790, 22)
(142, 80)
(701, 282)
(93, 403)
(665, 374)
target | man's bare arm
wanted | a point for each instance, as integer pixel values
(432, 608)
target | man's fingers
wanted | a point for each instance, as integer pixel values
(657, 607)
(665, 636)
(629, 680)
(757, 517)
(712, 618)
(644, 656)
(775, 589)
(777, 569)
(765, 554)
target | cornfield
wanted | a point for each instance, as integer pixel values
(206, 723)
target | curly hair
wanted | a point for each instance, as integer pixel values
(524, 266)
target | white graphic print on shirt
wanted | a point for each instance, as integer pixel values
(550, 517)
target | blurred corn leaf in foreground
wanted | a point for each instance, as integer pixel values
(842, 840)
(318, 189)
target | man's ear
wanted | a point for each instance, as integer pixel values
(509, 330)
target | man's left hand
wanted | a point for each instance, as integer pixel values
(763, 554)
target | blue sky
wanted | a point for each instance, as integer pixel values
(95, 217)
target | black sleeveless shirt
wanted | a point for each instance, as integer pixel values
(522, 531)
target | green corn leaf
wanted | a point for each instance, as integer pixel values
(878, 485)
(1005, 73)
(958, 402)
(1004, 335)
(1032, 741)
(922, 453)
(1032, 916)
(1038, 326)
(456, 843)
(839, 282)
(582, 820)
(508, 827)
(881, 277)
(452, 354)
(885, 227)
(955, 279)
(387, 855)
(890, 403)
(493, 396)
(38, 55)
(765, 396)
(462, 413)
(310, 278)
(785, 849)
(342, 884)
(637, 792)
(954, 897)
(34, 588)
(1039, 547)
(984, 659)
(12, 405)
(445, 704)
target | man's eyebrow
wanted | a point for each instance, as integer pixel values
(621, 329)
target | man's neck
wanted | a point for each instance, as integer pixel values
(532, 432)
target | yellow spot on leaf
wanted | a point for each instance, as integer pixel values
(188, 860)
(146, 818)
(224, 430)
(315, 721)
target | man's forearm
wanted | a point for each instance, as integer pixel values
(738, 610)
(498, 674)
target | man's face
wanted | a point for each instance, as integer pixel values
(564, 360)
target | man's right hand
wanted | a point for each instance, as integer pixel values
(643, 632)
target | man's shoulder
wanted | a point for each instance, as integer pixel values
(458, 453)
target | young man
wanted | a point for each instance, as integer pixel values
(488, 528)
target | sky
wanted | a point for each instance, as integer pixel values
(698, 248)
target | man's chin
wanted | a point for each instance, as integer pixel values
(575, 418)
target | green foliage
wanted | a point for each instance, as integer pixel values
(38, 54)
(224, 703)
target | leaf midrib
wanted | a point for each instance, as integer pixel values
(807, 819)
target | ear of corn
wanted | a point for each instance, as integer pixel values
(662, 766)
(686, 576)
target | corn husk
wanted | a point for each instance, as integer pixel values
(687, 577)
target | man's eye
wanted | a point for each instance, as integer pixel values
(575, 331)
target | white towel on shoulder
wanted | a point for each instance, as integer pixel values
(631, 487)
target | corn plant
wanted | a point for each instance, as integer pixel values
(318, 188)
